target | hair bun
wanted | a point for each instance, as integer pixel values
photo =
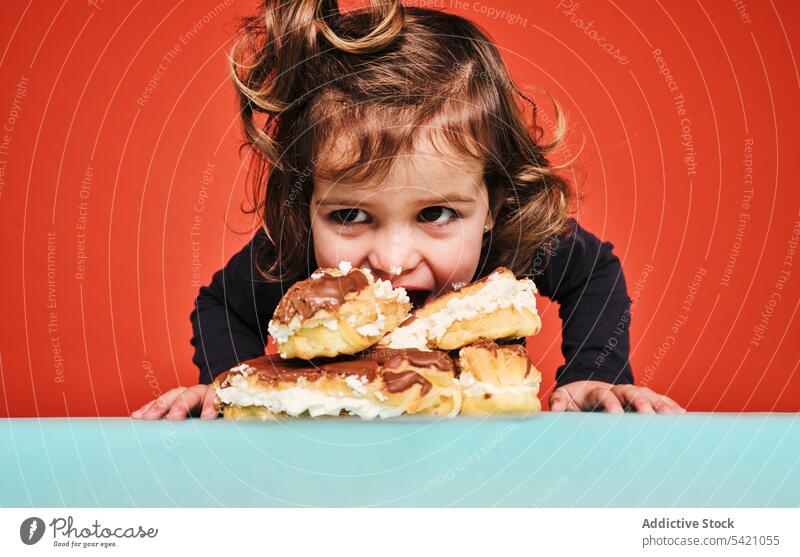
(386, 19)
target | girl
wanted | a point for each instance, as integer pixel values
(393, 138)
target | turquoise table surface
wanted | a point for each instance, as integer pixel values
(550, 460)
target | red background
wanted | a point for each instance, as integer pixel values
(122, 330)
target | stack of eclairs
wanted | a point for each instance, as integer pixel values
(351, 344)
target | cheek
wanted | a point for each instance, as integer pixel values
(330, 248)
(455, 260)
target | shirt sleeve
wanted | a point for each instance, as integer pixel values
(585, 277)
(231, 314)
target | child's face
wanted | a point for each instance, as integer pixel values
(420, 227)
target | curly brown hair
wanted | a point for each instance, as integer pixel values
(377, 77)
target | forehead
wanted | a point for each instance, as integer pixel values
(427, 171)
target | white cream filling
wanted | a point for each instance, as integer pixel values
(408, 337)
(375, 328)
(244, 369)
(282, 331)
(297, 400)
(383, 289)
(499, 291)
(474, 388)
(357, 384)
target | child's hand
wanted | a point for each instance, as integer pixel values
(598, 395)
(179, 402)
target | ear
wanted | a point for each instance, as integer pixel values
(497, 196)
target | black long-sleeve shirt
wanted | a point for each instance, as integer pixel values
(583, 275)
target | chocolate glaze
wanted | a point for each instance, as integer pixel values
(400, 381)
(493, 347)
(272, 368)
(393, 358)
(392, 364)
(328, 292)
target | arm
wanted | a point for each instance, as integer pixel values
(585, 277)
(231, 314)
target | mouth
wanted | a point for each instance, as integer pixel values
(419, 297)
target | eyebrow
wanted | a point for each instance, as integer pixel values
(444, 198)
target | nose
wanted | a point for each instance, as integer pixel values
(394, 251)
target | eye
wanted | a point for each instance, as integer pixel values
(349, 217)
(438, 216)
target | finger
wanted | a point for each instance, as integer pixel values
(665, 405)
(603, 399)
(642, 404)
(637, 398)
(162, 404)
(558, 402)
(139, 412)
(143, 408)
(185, 403)
(209, 413)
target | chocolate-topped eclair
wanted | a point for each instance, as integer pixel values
(271, 368)
(325, 291)
(497, 306)
(336, 311)
(384, 383)
(497, 379)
